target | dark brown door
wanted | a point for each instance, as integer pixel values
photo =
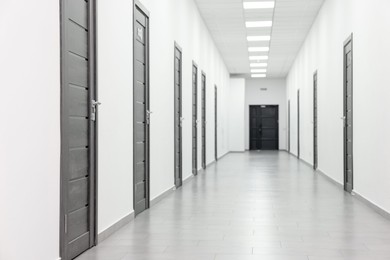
(194, 119)
(348, 115)
(78, 118)
(141, 117)
(178, 117)
(203, 121)
(315, 123)
(264, 127)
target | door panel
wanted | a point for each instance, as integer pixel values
(348, 115)
(264, 127)
(203, 121)
(298, 125)
(77, 223)
(315, 123)
(141, 116)
(194, 119)
(216, 122)
(178, 116)
(289, 126)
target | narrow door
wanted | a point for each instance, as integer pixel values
(178, 116)
(264, 127)
(216, 121)
(298, 126)
(203, 121)
(78, 118)
(194, 119)
(289, 126)
(141, 117)
(315, 123)
(348, 115)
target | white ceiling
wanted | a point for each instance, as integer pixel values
(292, 20)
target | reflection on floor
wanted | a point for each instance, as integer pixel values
(258, 205)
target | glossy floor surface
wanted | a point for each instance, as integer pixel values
(258, 205)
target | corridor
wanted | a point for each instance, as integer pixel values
(253, 205)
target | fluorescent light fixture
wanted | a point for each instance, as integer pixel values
(259, 75)
(258, 70)
(258, 57)
(258, 38)
(259, 5)
(258, 65)
(256, 24)
(256, 49)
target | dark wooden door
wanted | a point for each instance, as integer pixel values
(178, 116)
(203, 121)
(348, 115)
(216, 122)
(315, 123)
(298, 125)
(141, 118)
(194, 119)
(289, 126)
(264, 127)
(78, 118)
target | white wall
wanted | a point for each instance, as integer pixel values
(323, 51)
(275, 95)
(115, 92)
(193, 37)
(30, 129)
(236, 115)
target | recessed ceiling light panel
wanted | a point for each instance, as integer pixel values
(258, 57)
(258, 49)
(258, 65)
(259, 5)
(258, 38)
(258, 70)
(257, 24)
(259, 75)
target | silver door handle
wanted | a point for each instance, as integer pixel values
(181, 118)
(149, 112)
(94, 105)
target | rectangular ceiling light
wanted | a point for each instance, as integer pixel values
(257, 24)
(258, 38)
(259, 75)
(259, 5)
(256, 49)
(258, 57)
(258, 65)
(258, 70)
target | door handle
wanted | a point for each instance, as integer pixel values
(94, 105)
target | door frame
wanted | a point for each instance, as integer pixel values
(277, 119)
(298, 125)
(64, 132)
(137, 4)
(315, 120)
(204, 121)
(180, 133)
(195, 114)
(216, 121)
(347, 187)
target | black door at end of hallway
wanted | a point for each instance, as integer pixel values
(78, 129)
(348, 115)
(141, 118)
(203, 82)
(178, 116)
(264, 127)
(194, 119)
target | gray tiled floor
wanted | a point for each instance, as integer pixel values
(260, 205)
